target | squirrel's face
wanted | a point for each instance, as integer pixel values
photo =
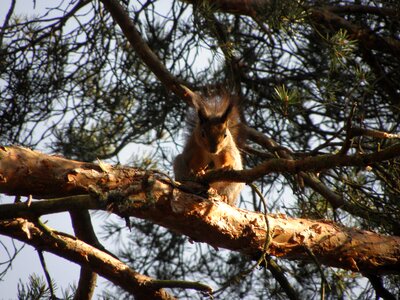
(212, 132)
(214, 136)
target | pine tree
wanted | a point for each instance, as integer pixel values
(318, 84)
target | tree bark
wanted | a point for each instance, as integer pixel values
(141, 286)
(84, 231)
(153, 196)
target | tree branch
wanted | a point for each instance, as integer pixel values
(330, 18)
(322, 16)
(312, 163)
(141, 48)
(46, 274)
(83, 229)
(379, 288)
(151, 196)
(85, 255)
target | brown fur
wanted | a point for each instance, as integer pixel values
(212, 145)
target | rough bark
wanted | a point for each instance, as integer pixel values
(152, 196)
(142, 287)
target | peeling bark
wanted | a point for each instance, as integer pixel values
(152, 196)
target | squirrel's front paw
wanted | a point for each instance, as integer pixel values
(201, 173)
(213, 193)
(227, 167)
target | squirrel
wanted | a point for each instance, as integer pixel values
(212, 144)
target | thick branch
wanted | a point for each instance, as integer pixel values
(151, 196)
(85, 255)
(62, 171)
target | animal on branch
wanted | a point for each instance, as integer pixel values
(212, 144)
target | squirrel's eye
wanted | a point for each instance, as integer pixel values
(225, 135)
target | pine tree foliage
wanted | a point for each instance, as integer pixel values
(38, 289)
(317, 77)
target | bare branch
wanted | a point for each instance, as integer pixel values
(46, 273)
(315, 164)
(381, 291)
(356, 131)
(83, 229)
(6, 21)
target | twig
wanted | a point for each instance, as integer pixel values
(192, 187)
(142, 49)
(348, 140)
(324, 281)
(235, 278)
(356, 131)
(46, 273)
(6, 21)
(265, 247)
(11, 257)
(269, 262)
(278, 274)
(182, 284)
(268, 239)
(29, 201)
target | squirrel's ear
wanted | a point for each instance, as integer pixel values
(227, 112)
(198, 103)
(196, 100)
(202, 115)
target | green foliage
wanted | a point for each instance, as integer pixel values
(37, 289)
(286, 97)
(342, 49)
